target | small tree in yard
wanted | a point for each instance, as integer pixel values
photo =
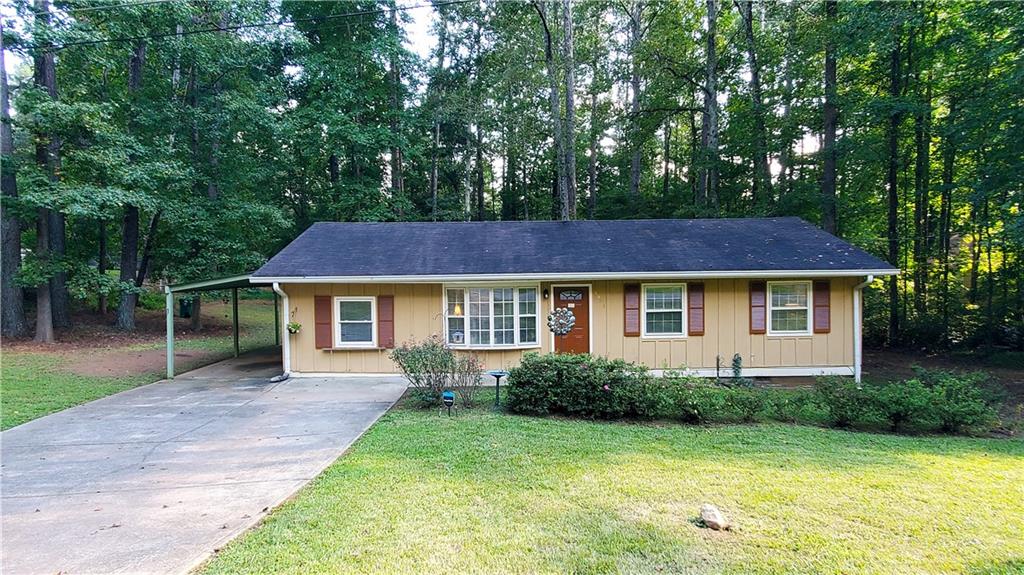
(432, 367)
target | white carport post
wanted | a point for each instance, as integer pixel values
(170, 331)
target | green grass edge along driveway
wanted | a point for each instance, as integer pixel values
(493, 493)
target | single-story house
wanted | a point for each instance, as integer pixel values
(669, 294)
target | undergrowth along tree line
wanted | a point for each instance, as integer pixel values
(182, 140)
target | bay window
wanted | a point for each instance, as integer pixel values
(485, 317)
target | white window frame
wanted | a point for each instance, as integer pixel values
(809, 307)
(643, 312)
(465, 315)
(338, 344)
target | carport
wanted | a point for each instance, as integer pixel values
(230, 282)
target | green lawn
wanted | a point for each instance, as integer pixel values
(36, 383)
(492, 493)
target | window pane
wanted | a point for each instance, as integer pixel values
(789, 320)
(479, 316)
(504, 316)
(664, 322)
(664, 298)
(456, 302)
(527, 301)
(456, 330)
(357, 332)
(355, 311)
(789, 295)
(528, 329)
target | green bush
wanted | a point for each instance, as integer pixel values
(902, 403)
(581, 385)
(747, 403)
(844, 401)
(788, 406)
(695, 400)
(152, 300)
(961, 401)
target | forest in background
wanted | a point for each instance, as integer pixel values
(187, 139)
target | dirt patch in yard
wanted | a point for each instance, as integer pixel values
(123, 363)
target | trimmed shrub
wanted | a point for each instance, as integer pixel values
(843, 400)
(788, 406)
(694, 400)
(902, 403)
(961, 401)
(581, 385)
(748, 404)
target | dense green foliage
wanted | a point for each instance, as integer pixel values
(594, 387)
(225, 133)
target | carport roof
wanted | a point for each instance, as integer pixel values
(213, 284)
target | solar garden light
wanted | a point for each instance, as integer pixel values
(497, 374)
(448, 398)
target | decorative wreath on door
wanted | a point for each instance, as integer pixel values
(561, 320)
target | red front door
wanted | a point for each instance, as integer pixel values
(577, 300)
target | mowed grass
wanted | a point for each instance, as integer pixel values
(37, 383)
(493, 493)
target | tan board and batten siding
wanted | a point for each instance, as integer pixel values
(418, 315)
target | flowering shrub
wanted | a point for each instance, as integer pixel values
(432, 367)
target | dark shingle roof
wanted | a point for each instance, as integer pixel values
(577, 247)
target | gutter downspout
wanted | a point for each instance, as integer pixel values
(858, 344)
(286, 351)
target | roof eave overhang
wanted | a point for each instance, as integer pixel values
(762, 274)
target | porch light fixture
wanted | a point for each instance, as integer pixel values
(546, 294)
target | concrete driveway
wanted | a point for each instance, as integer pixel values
(154, 479)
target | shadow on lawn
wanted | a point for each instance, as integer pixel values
(1008, 567)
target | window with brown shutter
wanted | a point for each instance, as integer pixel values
(695, 308)
(323, 320)
(758, 307)
(822, 307)
(386, 321)
(631, 296)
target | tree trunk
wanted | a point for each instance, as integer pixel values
(478, 187)
(665, 152)
(763, 193)
(397, 181)
(101, 266)
(892, 136)
(561, 187)
(922, 178)
(949, 150)
(786, 153)
(130, 220)
(12, 296)
(831, 116)
(47, 148)
(592, 163)
(569, 135)
(635, 37)
(435, 142)
(707, 185)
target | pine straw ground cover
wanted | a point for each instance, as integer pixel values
(486, 492)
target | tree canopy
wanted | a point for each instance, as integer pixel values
(181, 139)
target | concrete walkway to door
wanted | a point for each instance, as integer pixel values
(154, 479)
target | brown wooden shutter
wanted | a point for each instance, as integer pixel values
(695, 309)
(822, 305)
(758, 307)
(631, 293)
(386, 321)
(323, 318)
